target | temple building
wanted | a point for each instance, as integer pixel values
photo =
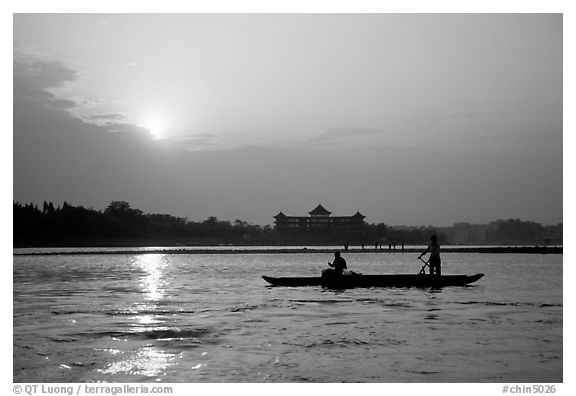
(319, 220)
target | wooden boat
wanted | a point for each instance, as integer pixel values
(359, 280)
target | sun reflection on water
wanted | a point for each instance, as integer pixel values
(148, 362)
(152, 281)
(150, 359)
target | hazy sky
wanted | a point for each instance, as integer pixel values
(410, 119)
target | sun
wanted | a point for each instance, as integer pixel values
(156, 125)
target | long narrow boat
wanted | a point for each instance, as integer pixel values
(358, 280)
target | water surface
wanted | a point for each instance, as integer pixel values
(211, 318)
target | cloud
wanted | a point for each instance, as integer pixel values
(196, 142)
(337, 135)
(455, 116)
(129, 65)
(104, 101)
(36, 76)
(60, 156)
(109, 116)
(40, 72)
(105, 119)
(127, 129)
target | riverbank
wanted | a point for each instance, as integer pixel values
(292, 250)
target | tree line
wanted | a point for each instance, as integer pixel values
(120, 222)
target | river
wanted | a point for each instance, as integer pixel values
(211, 318)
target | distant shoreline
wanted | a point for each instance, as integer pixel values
(280, 250)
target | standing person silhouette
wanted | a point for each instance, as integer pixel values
(434, 263)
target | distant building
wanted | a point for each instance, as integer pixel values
(319, 220)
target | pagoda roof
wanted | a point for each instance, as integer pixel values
(280, 215)
(320, 211)
(358, 214)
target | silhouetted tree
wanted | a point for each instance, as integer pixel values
(119, 220)
(517, 231)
